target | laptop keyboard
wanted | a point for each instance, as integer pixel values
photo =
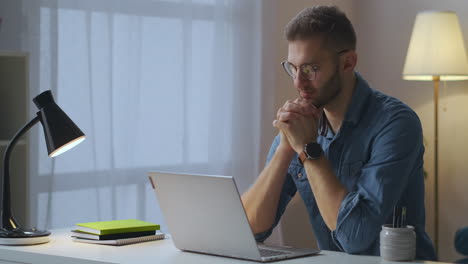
(270, 253)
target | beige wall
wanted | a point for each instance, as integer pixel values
(383, 29)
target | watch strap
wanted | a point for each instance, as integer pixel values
(315, 152)
(302, 157)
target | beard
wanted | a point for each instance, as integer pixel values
(329, 90)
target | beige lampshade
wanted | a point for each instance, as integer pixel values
(436, 48)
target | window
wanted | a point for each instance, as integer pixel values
(155, 85)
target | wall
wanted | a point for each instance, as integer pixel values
(10, 13)
(383, 29)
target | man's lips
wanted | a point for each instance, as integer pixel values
(305, 94)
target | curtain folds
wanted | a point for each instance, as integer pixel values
(155, 85)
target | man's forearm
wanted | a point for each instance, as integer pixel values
(261, 200)
(328, 190)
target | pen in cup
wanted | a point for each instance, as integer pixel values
(399, 217)
(396, 215)
(403, 217)
(398, 240)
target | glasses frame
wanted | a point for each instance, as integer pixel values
(285, 64)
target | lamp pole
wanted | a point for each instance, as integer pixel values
(436, 80)
(7, 220)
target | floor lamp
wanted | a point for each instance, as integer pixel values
(436, 53)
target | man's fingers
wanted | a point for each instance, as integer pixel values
(280, 125)
(289, 107)
(278, 112)
(287, 102)
(300, 106)
(308, 107)
(293, 107)
(275, 122)
(286, 116)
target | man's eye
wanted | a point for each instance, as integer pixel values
(307, 69)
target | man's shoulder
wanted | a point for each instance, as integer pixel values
(387, 118)
(388, 108)
(373, 107)
(385, 113)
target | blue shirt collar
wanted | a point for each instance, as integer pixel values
(355, 108)
(358, 102)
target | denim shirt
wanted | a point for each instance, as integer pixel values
(378, 156)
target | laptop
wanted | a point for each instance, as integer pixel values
(205, 214)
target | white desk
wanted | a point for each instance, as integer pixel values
(64, 251)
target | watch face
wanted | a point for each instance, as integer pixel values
(313, 150)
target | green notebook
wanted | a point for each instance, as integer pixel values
(116, 227)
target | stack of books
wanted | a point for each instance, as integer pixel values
(116, 232)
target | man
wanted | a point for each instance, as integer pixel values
(351, 152)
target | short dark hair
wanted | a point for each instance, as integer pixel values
(326, 21)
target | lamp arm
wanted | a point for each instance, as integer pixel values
(7, 219)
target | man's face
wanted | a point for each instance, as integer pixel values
(327, 83)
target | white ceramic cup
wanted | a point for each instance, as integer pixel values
(397, 244)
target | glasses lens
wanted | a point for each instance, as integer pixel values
(289, 68)
(308, 71)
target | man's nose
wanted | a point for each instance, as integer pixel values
(300, 81)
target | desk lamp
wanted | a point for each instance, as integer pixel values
(61, 134)
(436, 52)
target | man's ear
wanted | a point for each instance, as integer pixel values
(350, 61)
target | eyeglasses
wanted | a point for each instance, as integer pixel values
(309, 71)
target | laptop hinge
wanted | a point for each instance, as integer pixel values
(152, 183)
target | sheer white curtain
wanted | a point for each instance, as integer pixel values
(155, 85)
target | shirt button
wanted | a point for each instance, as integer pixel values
(299, 175)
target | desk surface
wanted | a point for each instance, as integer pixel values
(62, 250)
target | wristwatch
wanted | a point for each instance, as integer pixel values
(312, 151)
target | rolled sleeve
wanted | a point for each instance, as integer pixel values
(395, 157)
(461, 241)
(287, 192)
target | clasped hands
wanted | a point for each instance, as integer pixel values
(298, 122)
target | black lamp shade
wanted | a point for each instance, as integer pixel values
(60, 131)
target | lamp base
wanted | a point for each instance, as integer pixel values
(22, 236)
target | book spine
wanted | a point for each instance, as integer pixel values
(126, 241)
(120, 242)
(117, 230)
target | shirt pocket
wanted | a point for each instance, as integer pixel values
(350, 174)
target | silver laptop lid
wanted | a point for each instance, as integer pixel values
(205, 214)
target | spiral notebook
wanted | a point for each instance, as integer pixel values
(121, 242)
